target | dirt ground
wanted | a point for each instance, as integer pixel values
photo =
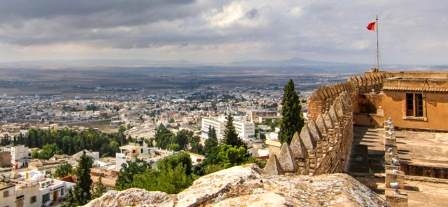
(103, 126)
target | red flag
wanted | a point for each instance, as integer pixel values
(371, 26)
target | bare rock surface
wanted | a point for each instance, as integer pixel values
(133, 197)
(247, 186)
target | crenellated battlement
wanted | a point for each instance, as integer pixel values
(322, 98)
(414, 100)
(323, 145)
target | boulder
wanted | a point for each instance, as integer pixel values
(133, 197)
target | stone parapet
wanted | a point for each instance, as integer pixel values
(322, 146)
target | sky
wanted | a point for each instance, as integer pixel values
(223, 32)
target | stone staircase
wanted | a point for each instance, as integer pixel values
(367, 151)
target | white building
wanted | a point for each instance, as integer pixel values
(33, 189)
(94, 155)
(19, 156)
(141, 151)
(127, 153)
(7, 196)
(120, 159)
(272, 136)
(244, 128)
(258, 116)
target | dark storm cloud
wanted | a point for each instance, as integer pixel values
(17, 10)
(29, 22)
(251, 14)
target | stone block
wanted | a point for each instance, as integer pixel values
(286, 159)
(273, 166)
(297, 148)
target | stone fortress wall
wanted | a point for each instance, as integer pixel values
(372, 100)
(323, 145)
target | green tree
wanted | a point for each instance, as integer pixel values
(127, 172)
(170, 180)
(83, 181)
(70, 200)
(70, 141)
(173, 146)
(292, 119)
(63, 170)
(172, 175)
(195, 145)
(230, 135)
(35, 153)
(163, 137)
(212, 141)
(225, 156)
(99, 189)
(182, 137)
(170, 162)
(91, 107)
(48, 151)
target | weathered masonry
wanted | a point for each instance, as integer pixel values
(413, 100)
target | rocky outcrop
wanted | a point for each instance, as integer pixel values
(133, 197)
(247, 186)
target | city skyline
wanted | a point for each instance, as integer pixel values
(221, 33)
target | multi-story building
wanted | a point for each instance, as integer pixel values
(140, 151)
(258, 116)
(7, 195)
(414, 100)
(33, 189)
(19, 156)
(244, 128)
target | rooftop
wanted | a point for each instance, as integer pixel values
(4, 185)
(421, 75)
(417, 81)
(423, 148)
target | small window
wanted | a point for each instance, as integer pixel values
(414, 104)
(45, 198)
(418, 104)
(5, 193)
(409, 104)
(33, 199)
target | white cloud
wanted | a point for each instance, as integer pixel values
(233, 14)
(412, 31)
(296, 11)
(229, 15)
(361, 44)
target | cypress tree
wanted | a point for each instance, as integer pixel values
(212, 141)
(230, 135)
(292, 119)
(99, 189)
(83, 182)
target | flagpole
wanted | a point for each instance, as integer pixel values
(377, 45)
